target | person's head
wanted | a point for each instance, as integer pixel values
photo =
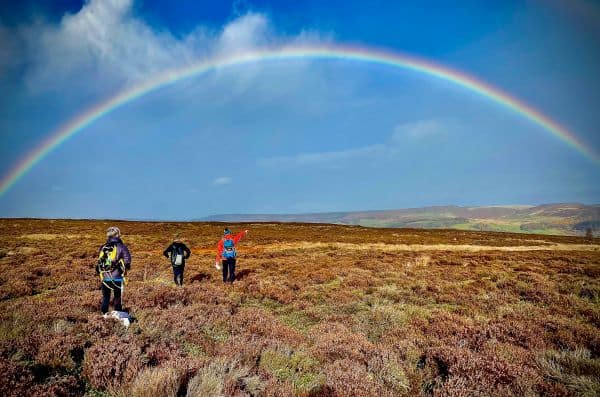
(177, 239)
(113, 231)
(226, 232)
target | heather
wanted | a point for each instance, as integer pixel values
(317, 310)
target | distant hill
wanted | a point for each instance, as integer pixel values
(559, 219)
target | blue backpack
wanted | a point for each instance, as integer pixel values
(229, 249)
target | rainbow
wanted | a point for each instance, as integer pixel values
(332, 52)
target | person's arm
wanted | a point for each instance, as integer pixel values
(187, 251)
(239, 236)
(126, 257)
(98, 260)
(219, 251)
(166, 252)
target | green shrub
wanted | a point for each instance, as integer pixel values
(298, 368)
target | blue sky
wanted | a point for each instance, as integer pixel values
(295, 136)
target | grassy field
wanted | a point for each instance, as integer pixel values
(550, 219)
(318, 310)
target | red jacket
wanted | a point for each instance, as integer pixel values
(235, 239)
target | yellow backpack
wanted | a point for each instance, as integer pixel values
(107, 260)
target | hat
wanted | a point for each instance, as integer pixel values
(113, 231)
(226, 231)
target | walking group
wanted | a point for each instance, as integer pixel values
(114, 261)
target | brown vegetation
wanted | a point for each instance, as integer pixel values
(319, 310)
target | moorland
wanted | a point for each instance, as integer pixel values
(317, 310)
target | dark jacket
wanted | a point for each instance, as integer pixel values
(171, 252)
(122, 255)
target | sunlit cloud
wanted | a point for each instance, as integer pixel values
(106, 45)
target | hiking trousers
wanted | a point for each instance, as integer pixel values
(178, 274)
(107, 288)
(228, 266)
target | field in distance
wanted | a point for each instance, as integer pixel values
(556, 219)
(317, 310)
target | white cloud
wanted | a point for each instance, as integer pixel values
(247, 32)
(320, 158)
(103, 40)
(394, 145)
(106, 45)
(223, 180)
(417, 130)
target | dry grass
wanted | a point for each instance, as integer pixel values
(381, 247)
(224, 377)
(319, 310)
(161, 381)
(576, 369)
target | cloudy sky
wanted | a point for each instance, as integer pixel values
(297, 135)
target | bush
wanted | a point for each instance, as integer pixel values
(297, 368)
(334, 342)
(576, 370)
(223, 377)
(112, 363)
(387, 370)
(16, 379)
(59, 352)
(259, 322)
(472, 373)
(349, 378)
(59, 386)
(157, 382)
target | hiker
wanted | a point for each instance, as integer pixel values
(226, 253)
(178, 252)
(114, 261)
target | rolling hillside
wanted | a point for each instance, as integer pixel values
(559, 219)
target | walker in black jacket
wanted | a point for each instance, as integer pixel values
(178, 252)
